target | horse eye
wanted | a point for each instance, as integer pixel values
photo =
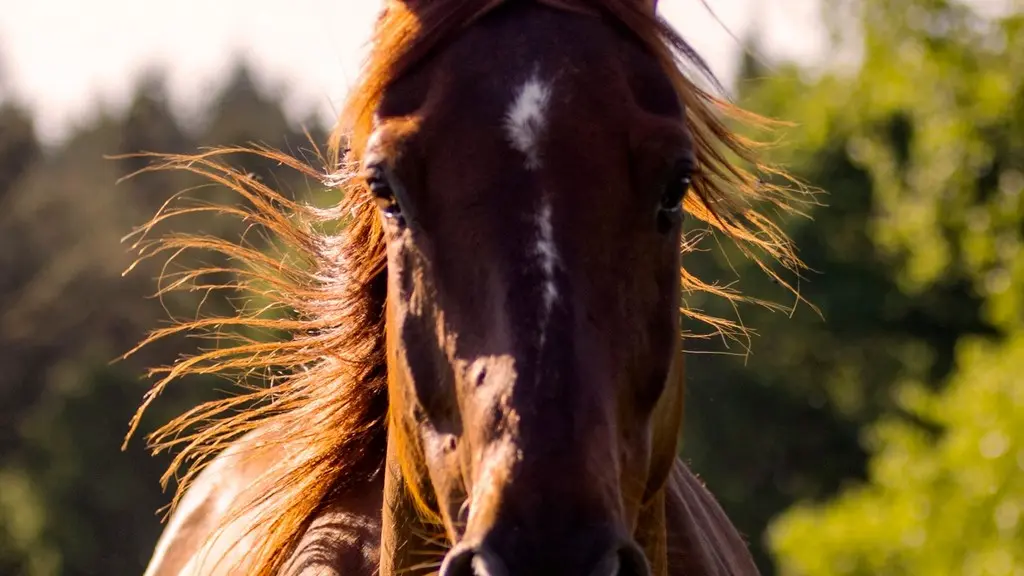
(383, 194)
(670, 207)
(675, 192)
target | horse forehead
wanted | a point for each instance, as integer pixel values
(526, 117)
(514, 65)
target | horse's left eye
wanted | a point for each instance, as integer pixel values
(670, 207)
(675, 192)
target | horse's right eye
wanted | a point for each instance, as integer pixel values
(383, 194)
(377, 182)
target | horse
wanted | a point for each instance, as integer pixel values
(483, 372)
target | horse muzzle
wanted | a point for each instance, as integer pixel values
(479, 559)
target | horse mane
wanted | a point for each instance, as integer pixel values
(324, 390)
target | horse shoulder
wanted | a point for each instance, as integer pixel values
(701, 539)
(186, 548)
(190, 522)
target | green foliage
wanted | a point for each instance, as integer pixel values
(934, 117)
(946, 504)
(915, 253)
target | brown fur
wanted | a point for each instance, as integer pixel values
(323, 411)
(343, 539)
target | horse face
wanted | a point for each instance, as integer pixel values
(529, 175)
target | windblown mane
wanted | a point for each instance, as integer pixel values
(323, 394)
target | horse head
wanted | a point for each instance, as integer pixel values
(529, 174)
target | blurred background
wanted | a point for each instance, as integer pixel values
(885, 436)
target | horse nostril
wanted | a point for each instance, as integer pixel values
(628, 560)
(632, 561)
(470, 560)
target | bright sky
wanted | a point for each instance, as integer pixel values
(59, 57)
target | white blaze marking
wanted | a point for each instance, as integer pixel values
(548, 256)
(525, 123)
(527, 117)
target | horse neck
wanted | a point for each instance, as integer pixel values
(404, 536)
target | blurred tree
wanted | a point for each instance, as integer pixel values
(19, 149)
(65, 311)
(946, 504)
(244, 114)
(935, 118)
(785, 425)
(149, 125)
(83, 506)
(18, 145)
(70, 501)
